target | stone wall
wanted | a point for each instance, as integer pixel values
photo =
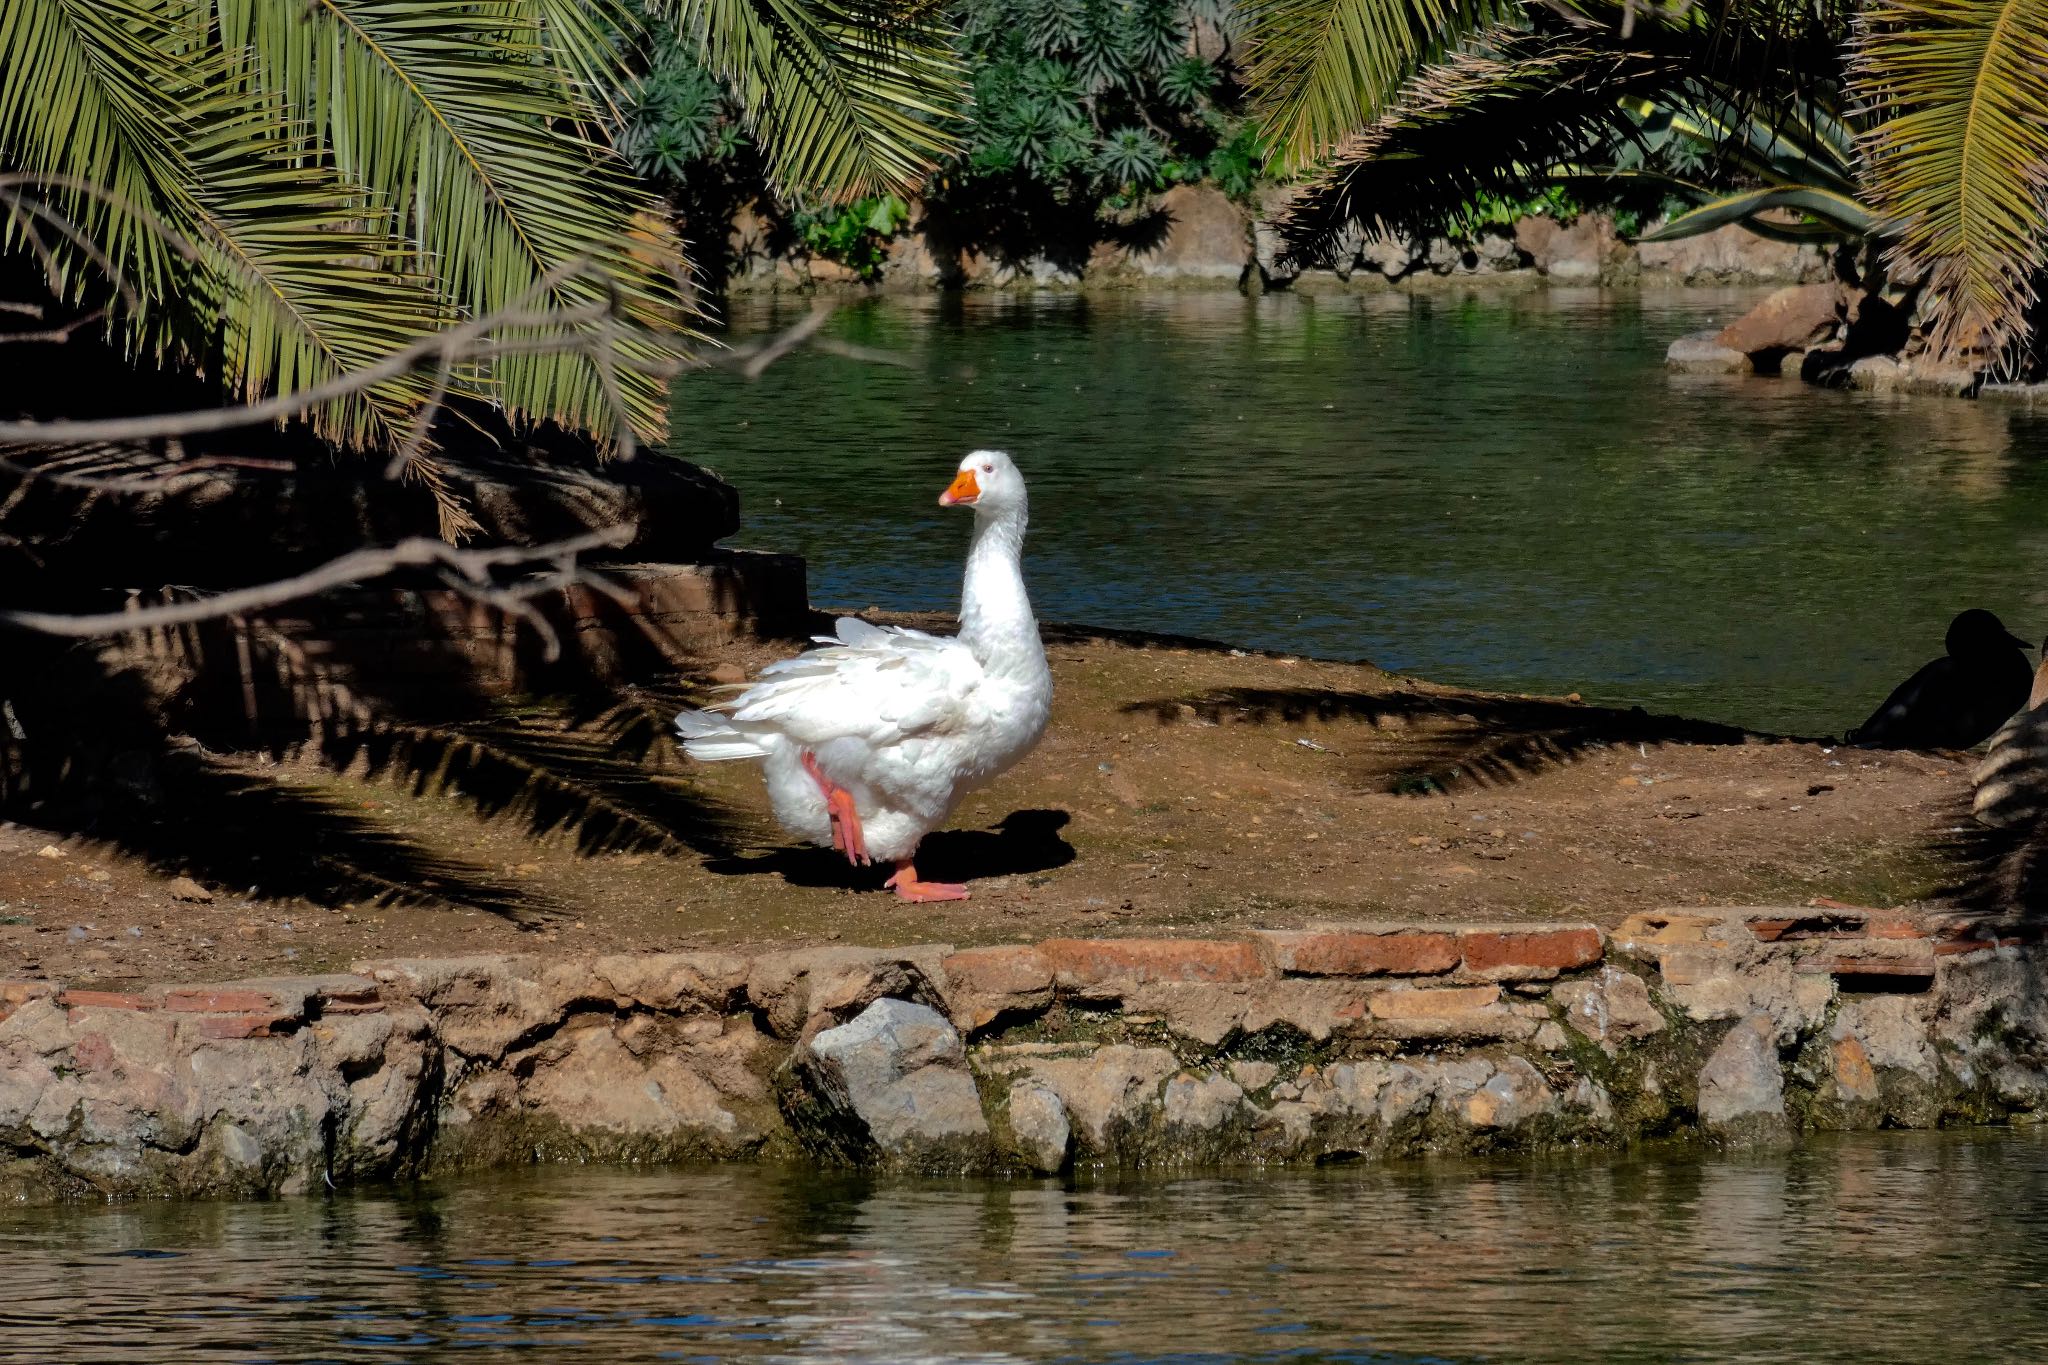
(1277, 1047)
(1195, 236)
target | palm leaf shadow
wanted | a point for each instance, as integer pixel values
(1432, 744)
(600, 769)
(237, 829)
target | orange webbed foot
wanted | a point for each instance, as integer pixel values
(906, 885)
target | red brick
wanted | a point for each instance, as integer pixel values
(1091, 961)
(1900, 967)
(240, 1025)
(1898, 928)
(1435, 1002)
(105, 1000)
(1012, 969)
(15, 994)
(1350, 953)
(207, 1000)
(1506, 954)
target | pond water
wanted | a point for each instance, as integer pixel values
(1879, 1246)
(1505, 492)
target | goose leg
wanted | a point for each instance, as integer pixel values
(847, 835)
(910, 888)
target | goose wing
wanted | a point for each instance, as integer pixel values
(876, 684)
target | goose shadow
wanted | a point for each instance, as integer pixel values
(1022, 842)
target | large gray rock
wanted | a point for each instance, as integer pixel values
(1038, 1121)
(1580, 251)
(1611, 1008)
(1207, 237)
(897, 1078)
(1390, 255)
(1703, 353)
(1202, 1103)
(1731, 255)
(1110, 1092)
(1742, 1089)
(1510, 1097)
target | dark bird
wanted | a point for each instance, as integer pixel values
(1957, 701)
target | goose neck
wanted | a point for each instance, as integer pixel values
(995, 613)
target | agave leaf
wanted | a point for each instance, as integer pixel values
(1842, 215)
(1958, 156)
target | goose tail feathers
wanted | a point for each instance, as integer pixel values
(713, 738)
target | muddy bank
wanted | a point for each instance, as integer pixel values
(1182, 789)
(1285, 1047)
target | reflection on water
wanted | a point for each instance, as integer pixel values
(1506, 492)
(1882, 1246)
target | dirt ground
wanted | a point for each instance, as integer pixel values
(1181, 790)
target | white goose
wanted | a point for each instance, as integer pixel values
(869, 743)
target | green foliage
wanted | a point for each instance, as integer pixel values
(856, 235)
(677, 115)
(1098, 98)
(1075, 106)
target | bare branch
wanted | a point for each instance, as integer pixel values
(867, 355)
(452, 342)
(756, 359)
(467, 570)
(55, 334)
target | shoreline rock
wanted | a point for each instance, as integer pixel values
(1737, 1025)
(1195, 237)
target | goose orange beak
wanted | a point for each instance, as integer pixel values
(962, 491)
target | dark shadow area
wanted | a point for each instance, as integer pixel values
(411, 687)
(1020, 843)
(82, 752)
(1435, 744)
(1995, 872)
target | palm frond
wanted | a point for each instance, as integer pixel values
(1321, 70)
(449, 114)
(846, 98)
(1958, 156)
(89, 90)
(590, 44)
(1496, 119)
(306, 285)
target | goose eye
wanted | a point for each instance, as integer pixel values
(988, 469)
